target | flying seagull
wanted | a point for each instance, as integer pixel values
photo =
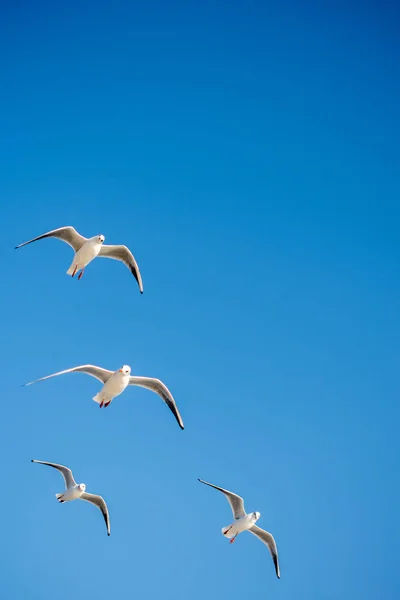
(115, 382)
(86, 249)
(77, 491)
(246, 522)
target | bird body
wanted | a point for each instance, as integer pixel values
(238, 526)
(115, 382)
(77, 491)
(90, 249)
(114, 386)
(246, 522)
(86, 249)
(72, 493)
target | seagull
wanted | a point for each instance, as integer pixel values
(86, 249)
(77, 491)
(115, 382)
(246, 522)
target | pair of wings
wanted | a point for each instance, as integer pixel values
(70, 236)
(150, 383)
(70, 482)
(237, 505)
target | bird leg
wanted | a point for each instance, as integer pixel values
(74, 273)
(101, 404)
(107, 404)
(233, 539)
(81, 273)
(228, 530)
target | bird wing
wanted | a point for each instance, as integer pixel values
(66, 234)
(101, 504)
(65, 472)
(269, 541)
(157, 386)
(236, 502)
(101, 374)
(123, 254)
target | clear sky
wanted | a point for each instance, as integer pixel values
(247, 153)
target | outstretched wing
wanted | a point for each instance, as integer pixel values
(101, 504)
(65, 472)
(68, 234)
(236, 502)
(97, 372)
(157, 386)
(123, 254)
(269, 541)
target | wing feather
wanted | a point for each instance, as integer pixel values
(101, 374)
(157, 386)
(236, 502)
(68, 234)
(269, 541)
(101, 504)
(65, 472)
(123, 254)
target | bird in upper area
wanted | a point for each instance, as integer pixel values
(115, 382)
(86, 249)
(77, 491)
(246, 522)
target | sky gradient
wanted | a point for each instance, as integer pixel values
(247, 153)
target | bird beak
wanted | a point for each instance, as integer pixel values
(120, 370)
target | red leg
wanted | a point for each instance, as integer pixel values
(81, 273)
(233, 539)
(101, 404)
(107, 404)
(228, 530)
(74, 273)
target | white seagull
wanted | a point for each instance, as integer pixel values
(246, 522)
(77, 491)
(115, 382)
(86, 249)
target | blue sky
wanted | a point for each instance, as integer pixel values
(248, 155)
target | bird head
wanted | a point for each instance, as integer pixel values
(101, 238)
(125, 369)
(82, 487)
(256, 516)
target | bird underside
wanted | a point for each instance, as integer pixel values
(73, 270)
(227, 532)
(80, 274)
(103, 402)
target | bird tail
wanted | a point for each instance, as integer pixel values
(59, 497)
(227, 532)
(71, 269)
(97, 398)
